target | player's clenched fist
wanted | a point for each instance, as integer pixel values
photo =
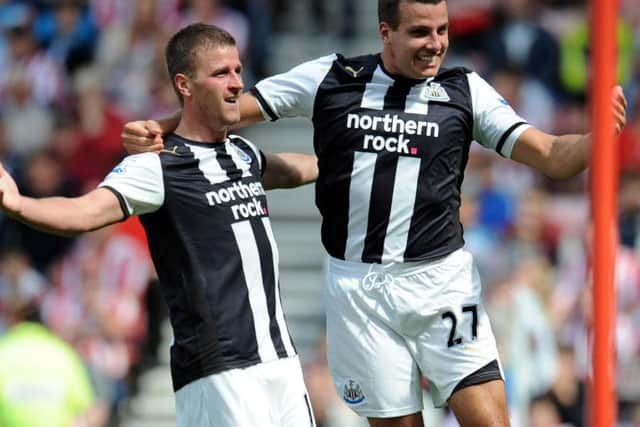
(142, 136)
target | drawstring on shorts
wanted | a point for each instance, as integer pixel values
(374, 280)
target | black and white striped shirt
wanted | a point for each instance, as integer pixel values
(392, 151)
(206, 217)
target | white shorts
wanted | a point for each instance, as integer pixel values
(269, 394)
(389, 325)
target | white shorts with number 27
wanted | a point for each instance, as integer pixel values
(389, 325)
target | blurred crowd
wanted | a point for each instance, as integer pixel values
(72, 72)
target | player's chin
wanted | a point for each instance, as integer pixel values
(428, 72)
(232, 118)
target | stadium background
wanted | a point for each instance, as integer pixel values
(72, 72)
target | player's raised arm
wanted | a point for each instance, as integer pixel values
(250, 112)
(141, 136)
(59, 215)
(287, 170)
(566, 155)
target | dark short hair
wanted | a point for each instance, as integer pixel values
(183, 47)
(388, 10)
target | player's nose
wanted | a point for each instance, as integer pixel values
(235, 82)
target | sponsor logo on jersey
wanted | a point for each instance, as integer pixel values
(246, 194)
(352, 393)
(435, 92)
(393, 124)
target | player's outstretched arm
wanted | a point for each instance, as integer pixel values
(287, 170)
(59, 215)
(566, 155)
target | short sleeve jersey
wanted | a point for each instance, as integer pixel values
(205, 213)
(391, 151)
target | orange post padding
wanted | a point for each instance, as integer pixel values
(604, 180)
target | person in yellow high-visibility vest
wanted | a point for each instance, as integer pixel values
(43, 381)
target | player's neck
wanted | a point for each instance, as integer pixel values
(195, 130)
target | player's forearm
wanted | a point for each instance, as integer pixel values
(55, 215)
(304, 168)
(250, 112)
(64, 216)
(569, 156)
(288, 170)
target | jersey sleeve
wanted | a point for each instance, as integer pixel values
(137, 182)
(292, 94)
(495, 124)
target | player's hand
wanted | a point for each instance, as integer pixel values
(10, 198)
(142, 137)
(619, 104)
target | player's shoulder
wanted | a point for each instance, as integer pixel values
(357, 66)
(246, 149)
(454, 73)
(242, 142)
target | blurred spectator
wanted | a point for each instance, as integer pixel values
(568, 393)
(629, 145)
(43, 176)
(42, 380)
(574, 65)
(526, 95)
(28, 124)
(469, 23)
(99, 125)
(524, 333)
(518, 40)
(130, 56)
(543, 413)
(162, 97)
(120, 12)
(320, 15)
(629, 210)
(573, 302)
(259, 14)
(44, 76)
(18, 281)
(68, 32)
(97, 304)
(215, 12)
(482, 241)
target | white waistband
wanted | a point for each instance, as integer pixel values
(406, 268)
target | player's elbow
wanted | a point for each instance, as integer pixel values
(564, 159)
(560, 172)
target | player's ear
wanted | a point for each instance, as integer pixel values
(183, 84)
(384, 30)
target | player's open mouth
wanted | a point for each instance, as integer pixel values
(231, 100)
(426, 58)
